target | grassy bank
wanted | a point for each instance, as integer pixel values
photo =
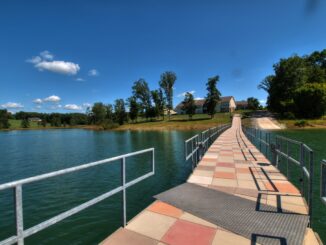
(177, 122)
(180, 122)
(304, 123)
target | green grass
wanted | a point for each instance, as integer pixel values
(16, 124)
(181, 122)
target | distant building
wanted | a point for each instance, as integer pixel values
(226, 104)
(35, 119)
(242, 105)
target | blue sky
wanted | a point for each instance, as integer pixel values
(63, 55)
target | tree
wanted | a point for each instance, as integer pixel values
(291, 77)
(25, 123)
(158, 98)
(133, 108)
(253, 103)
(4, 119)
(213, 96)
(310, 100)
(188, 105)
(167, 82)
(99, 112)
(120, 111)
(141, 91)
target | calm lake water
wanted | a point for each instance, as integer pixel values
(29, 153)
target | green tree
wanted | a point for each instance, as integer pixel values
(4, 119)
(120, 111)
(167, 82)
(141, 91)
(291, 76)
(253, 103)
(213, 96)
(109, 112)
(310, 100)
(25, 123)
(99, 113)
(188, 105)
(158, 98)
(133, 108)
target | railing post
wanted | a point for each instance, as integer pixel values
(153, 161)
(19, 215)
(124, 200)
(276, 153)
(302, 165)
(287, 159)
(311, 176)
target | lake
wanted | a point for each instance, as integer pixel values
(33, 152)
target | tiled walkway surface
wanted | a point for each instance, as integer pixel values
(233, 165)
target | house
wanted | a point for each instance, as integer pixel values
(226, 104)
(35, 119)
(242, 105)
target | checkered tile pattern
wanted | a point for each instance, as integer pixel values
(230, 165)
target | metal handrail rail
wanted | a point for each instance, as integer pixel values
(21, 234)
(323, 181)
(199, 143)
(255, 135)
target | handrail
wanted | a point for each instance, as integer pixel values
(197, 145)
(305, 154)
(323, 181)
(21, 234)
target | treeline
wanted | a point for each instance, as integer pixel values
(52, 119)
(298, 86)
(143, 102)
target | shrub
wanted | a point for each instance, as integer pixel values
(301, 123)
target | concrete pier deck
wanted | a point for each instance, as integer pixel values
(231, 165)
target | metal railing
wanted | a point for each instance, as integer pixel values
(196, 146)
(277, 148)
(323, 181)
(21, 233)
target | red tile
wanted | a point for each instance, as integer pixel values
(225, 164)
(224, 175)
(185, 233)
(286, 187)
(165, 209)
(242, 170)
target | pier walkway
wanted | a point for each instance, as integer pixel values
(234, 196)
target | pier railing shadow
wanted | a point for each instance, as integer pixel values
(289, 156)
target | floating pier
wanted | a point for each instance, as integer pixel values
(234, 196)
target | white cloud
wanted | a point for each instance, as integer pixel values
(38, 101)
(199, 98)
(79, 79)
(46, 55)
(38, 107)
(72, 107)
(45, 61)
(184, 93)
(52, 98)
(58, 66)
(93, 73)
(12, 105)
(34, 60)
(85, 105)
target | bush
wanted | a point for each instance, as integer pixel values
(106, 125)
(288, 115)
(301, 123)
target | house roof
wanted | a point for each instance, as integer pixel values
(242, 102)
(200, 103)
